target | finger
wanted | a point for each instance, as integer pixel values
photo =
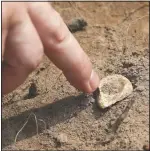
(5, 22)
(23, 50)
(62, 48)
(12, 77)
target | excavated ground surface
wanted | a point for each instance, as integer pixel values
(116, 40)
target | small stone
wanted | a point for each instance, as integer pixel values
(62, 138)
(77, 24)
(112, 89)
(32, 91)
(140, 88)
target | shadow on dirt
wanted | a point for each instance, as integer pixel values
(47, 116)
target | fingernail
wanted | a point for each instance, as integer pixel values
(94, 81)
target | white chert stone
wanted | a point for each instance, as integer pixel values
(113, 88)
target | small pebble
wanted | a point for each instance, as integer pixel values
(140, 88)
(62, 138)
(77, 24)
(32, 91)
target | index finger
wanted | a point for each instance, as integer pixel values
(62, 48)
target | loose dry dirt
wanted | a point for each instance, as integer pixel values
(116, 40)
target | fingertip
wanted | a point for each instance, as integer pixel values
(87, 86)
(94, 81)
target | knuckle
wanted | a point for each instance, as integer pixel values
(57, 30)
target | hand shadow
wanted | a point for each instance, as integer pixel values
(51, 114)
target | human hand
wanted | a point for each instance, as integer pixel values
(30, 29)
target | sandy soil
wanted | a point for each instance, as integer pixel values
(116, 40)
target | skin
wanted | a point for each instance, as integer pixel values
(30, 29)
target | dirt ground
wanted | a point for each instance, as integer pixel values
(116, 40)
